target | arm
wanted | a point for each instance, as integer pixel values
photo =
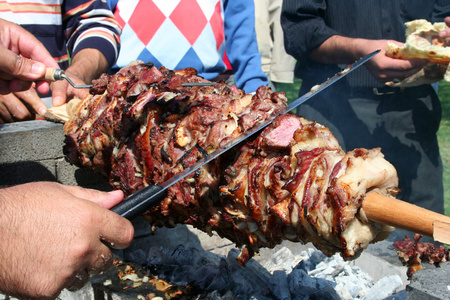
(308, 37)
(93, 44)
(54, 236)
(344, 50)
(241, 45)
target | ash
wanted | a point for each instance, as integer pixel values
(284, 275)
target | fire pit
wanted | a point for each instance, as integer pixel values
(184, 256)
(205, 266)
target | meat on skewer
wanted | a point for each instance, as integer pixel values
(293, 181)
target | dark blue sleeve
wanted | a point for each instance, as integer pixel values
(304, 27)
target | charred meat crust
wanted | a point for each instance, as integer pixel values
(140, 127)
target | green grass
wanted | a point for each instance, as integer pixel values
(291, 91)
(444, 140)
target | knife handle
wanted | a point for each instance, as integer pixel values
(140, 202)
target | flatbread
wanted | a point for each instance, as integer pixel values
(423, 42)
(62, 114)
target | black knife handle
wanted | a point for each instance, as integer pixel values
(139, 202)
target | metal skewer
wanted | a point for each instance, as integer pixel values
(198, 83)
(53, 74)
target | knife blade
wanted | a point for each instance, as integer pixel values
(150, 196)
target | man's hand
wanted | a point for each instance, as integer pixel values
(53, 236)
(344, 50)
(63, 92)
(23, 58)
(446, 33)
(24, 61)
(88, 64)
(21, 106)
(386, 69)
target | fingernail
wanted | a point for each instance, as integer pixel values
(37, 68)
(42, 110)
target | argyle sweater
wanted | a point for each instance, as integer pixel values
(66, 27)
(190, 33)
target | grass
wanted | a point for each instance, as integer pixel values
(444, 140)
(291, 91)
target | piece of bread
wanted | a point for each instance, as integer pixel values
(423, 42)
(61, 114)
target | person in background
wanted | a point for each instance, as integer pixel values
(82, 37)
(205, 35)
(276, 63)
(52, 236)
(325, 36)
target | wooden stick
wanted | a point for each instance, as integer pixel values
(50, 74)
(407, 216)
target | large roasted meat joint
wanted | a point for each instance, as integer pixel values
(293, 182)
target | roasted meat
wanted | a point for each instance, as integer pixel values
(293, 182)
(413, 253)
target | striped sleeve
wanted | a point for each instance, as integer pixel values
(91, 24)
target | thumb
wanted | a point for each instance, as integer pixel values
(17, 66)
(104, 199)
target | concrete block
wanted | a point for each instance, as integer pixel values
(72, 175)
(30, 141)
(430, 283)
(33, 151)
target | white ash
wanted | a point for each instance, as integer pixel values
(308, 275)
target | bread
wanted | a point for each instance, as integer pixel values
(423, 42)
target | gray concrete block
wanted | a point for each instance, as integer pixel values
(33, 151)
(430, 283)
(65, 172)
(72, 175)
(30, 141)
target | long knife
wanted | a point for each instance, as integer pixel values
(150, 196)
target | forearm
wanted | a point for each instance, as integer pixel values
(88, 64)
(9, 229)
(90, 25)
(342, 50)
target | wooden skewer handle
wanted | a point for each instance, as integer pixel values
(401, 214)
(53, 74)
